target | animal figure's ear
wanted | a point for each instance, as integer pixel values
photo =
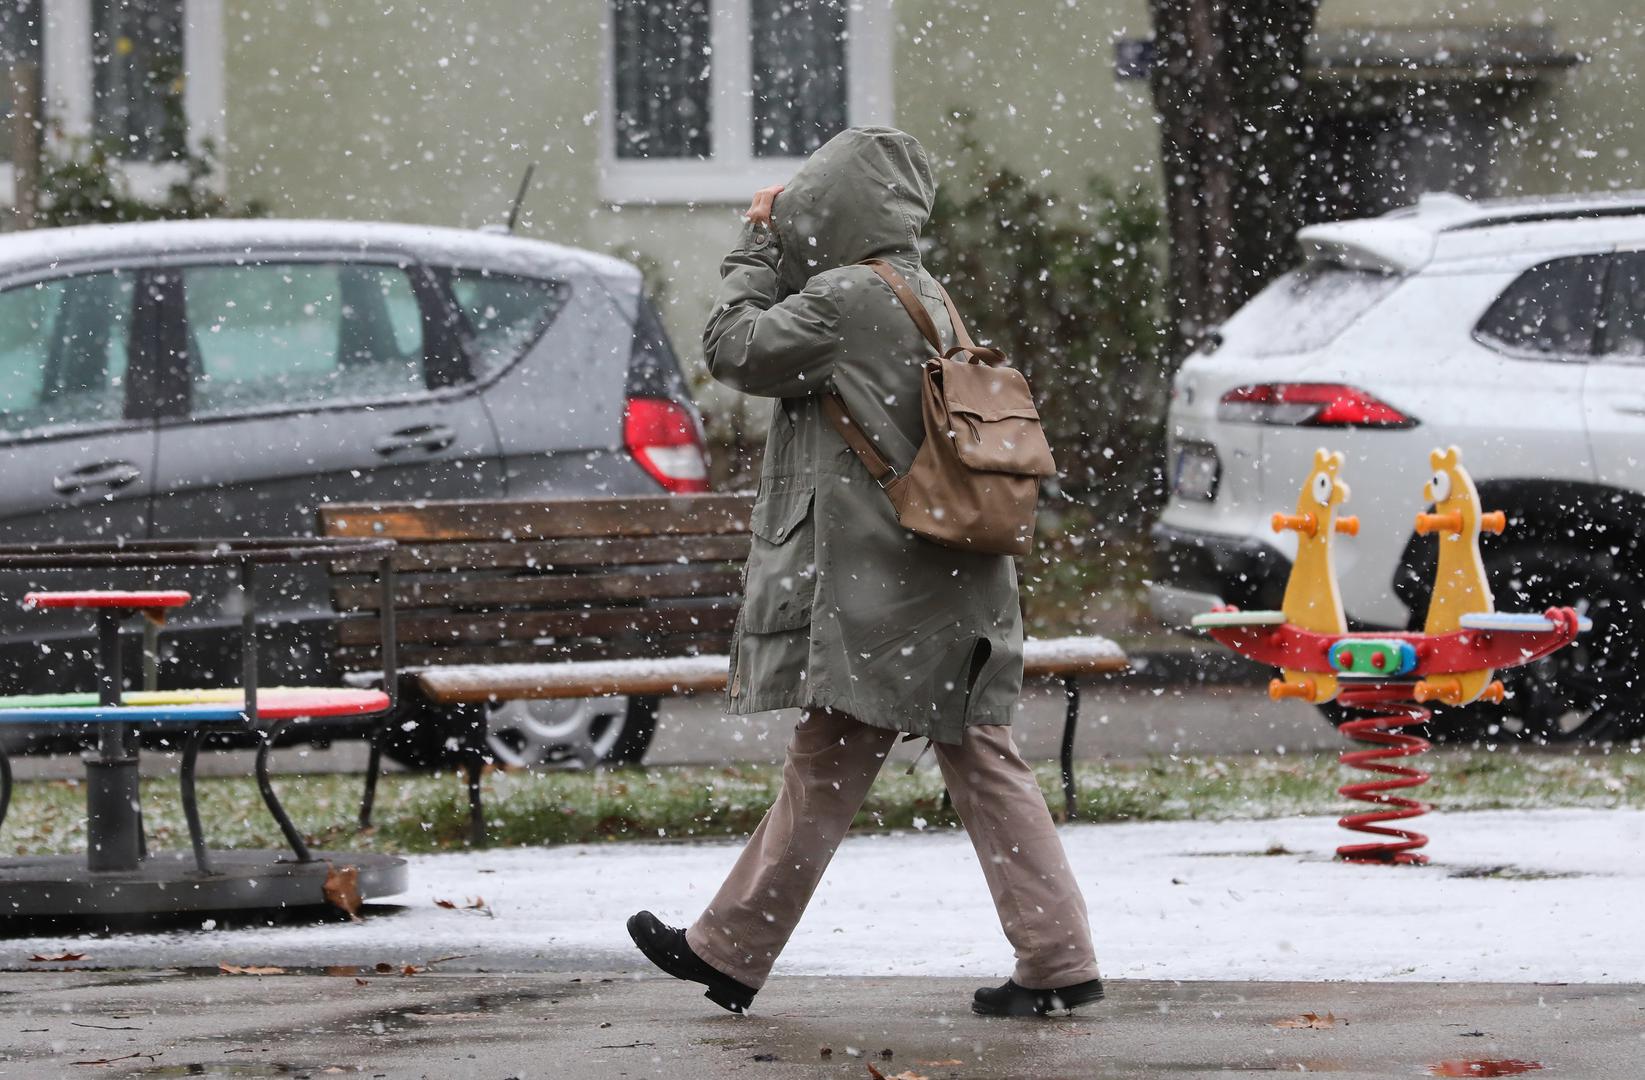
(1322, 459)
(1446, 458)
(1335, 462)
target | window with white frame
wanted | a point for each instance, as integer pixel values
(707, 100)
(144, 78)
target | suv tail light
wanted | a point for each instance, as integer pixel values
(666, 438)
(1310, 405)
(660, 426)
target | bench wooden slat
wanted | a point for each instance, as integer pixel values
(511, 590)
(652, 515)
(368, 659)
(1056, 657)
(558, 554)
(464, 627)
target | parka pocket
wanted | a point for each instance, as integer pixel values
(782, 563)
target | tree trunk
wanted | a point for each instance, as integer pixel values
(1227, 83)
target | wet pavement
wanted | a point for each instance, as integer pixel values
(593, 1026)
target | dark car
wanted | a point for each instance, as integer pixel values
(223, 379)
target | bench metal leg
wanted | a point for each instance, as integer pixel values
(374, 770)
(191, 802)
(475, 755)
(1071, 719)
(475, 769)
(272, 801)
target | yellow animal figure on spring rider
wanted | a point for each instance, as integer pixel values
(1312, 599)
(1460, 587)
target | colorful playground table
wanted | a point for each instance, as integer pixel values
(119, 876)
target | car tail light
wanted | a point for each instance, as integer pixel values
(1310, 405)
(666, 438)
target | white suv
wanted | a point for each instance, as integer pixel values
(1513, 329)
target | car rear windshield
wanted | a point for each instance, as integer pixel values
(1306, 309)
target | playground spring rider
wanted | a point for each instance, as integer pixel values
(1390, 676)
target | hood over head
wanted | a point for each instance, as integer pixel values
(864, 194)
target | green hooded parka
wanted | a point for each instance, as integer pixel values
(843, 608)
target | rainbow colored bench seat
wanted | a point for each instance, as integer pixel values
(274, 703)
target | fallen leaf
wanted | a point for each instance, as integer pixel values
(825, 1052)
(342, 970)
(447, 904)
(1308, 1020)
(342, 890)
(236, 969)
(411, 969)
(384, 969)
(61, 958)
(360, 982)
(906, 1074)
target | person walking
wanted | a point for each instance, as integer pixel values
(869, 629)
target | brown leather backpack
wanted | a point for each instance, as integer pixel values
(975, 481)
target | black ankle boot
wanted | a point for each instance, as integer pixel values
(1014, 1000)
(665, 946)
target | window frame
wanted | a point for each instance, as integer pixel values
(175, 399)
(67, 78)
(463, 332)
(141, 406)
(732, 173)
(1490, 341)
(1603, 353)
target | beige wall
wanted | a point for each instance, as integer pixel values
(336, 109)
(1585, 130)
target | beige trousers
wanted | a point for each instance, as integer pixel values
(832, 762)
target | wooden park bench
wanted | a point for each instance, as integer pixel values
(575, 598)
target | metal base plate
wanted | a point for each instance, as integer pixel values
(60, 886)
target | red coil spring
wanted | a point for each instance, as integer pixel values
(1393, 709)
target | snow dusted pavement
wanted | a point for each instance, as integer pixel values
(1544, 896)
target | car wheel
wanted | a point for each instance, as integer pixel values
(572, 733)
(1589, 690)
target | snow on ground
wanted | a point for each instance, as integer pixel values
(1168, 901)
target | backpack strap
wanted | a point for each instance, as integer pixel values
(880, 469)
(961, 334)
(910, 302)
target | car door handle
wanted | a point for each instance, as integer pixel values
(112, 475)
(431, 438)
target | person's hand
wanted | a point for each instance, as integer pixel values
(759, 213)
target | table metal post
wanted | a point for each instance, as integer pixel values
(1071, 719)
(248, 640)
(114, 832)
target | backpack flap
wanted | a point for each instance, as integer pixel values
(991, 418)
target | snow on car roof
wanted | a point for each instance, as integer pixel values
(430, 243)
(1447, 228)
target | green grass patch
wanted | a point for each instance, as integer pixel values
(421, 813)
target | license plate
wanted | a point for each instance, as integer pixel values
(1197, 470)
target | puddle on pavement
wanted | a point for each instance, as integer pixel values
(1503, 1067)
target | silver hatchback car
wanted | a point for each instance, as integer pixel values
(189, 380)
